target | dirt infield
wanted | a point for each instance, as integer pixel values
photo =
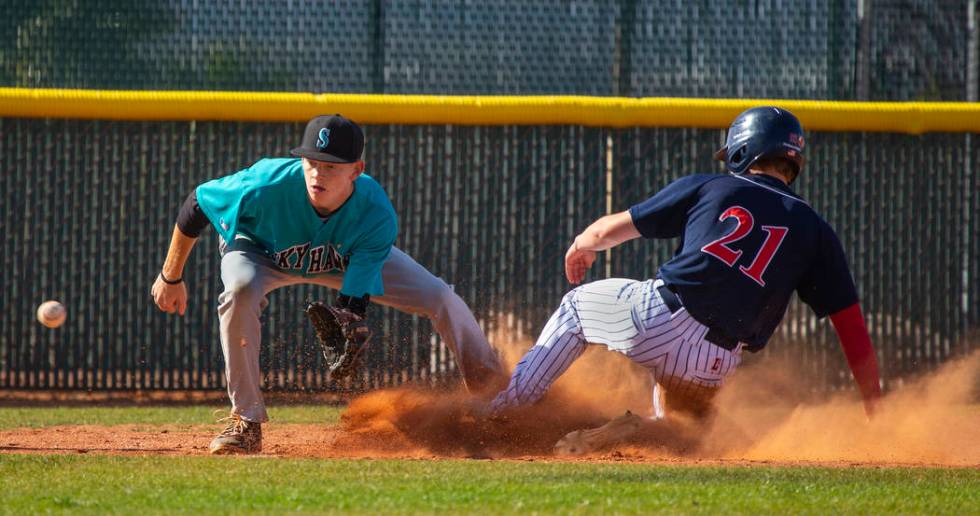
(320, 442)
(934, 421)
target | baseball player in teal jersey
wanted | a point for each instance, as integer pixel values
(318, 219)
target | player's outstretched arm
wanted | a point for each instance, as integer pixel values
(605, 233)
(856, 343)
(169, 291)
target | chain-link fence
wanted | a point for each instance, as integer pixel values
(818, 49)
(88, 206)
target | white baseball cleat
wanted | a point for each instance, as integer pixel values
(581, 442)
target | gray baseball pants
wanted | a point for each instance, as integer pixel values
(249, 275)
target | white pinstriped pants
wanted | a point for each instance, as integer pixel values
(629, 317)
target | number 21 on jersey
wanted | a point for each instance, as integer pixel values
(743, 226)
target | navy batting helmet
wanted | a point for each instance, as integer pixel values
(762, 133)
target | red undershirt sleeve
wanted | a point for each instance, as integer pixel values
(856, 343)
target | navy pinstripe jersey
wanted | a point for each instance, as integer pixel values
(746, 244)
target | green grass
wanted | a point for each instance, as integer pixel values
(34, 483)
(166, 484)
(190, 415)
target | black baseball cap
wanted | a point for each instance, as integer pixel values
(331, 138)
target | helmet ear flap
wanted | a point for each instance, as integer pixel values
(738, 155)
(737, 158)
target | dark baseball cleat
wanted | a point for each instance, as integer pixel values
(240, 436)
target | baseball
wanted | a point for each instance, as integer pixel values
(51, 314)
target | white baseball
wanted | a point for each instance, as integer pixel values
(51, 314)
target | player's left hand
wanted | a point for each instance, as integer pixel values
(343, 335)
(577, 262)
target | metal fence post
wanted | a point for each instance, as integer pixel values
(377, 46)
(622, 61)
(972, 58)
(863, 65)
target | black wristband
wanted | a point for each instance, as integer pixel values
(169, 282)
(358, 305)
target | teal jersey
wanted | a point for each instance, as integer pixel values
(268, 204)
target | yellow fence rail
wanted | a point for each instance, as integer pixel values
(895, 117)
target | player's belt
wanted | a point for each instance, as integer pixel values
(715, 336)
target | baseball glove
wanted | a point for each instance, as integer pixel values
(343, 337)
